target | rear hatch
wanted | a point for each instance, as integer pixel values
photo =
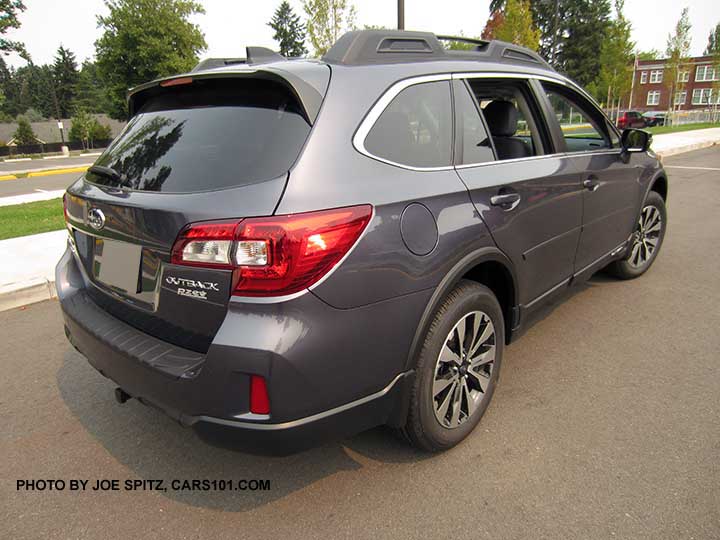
(196, 150)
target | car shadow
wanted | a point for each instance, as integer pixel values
(154, 447)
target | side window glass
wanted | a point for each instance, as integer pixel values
(508, 116)
(579, 127)
(416, 127)
(476, 146)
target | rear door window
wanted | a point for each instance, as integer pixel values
(209, 135)
(416, 127)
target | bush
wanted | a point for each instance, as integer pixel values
(33, 115)
(87, 129)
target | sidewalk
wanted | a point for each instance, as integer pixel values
(28, 271)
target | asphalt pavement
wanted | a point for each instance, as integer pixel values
(606, 424)
(37, 164)
(22, 186)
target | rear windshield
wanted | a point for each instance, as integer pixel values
(209, 135)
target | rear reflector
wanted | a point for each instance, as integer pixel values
(259, 399)
(277, 255)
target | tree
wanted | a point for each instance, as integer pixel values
(327, 20)
(9, 10)
(493, 23)
(553, 27)
(24, 134)
(65, 78)
(652, 54)
(144, 40)
(713, 46)
(80, 126)
(678, 53)
(616, 57)
(517, 26)
(289, 31)
(90, 92)
(586, 26)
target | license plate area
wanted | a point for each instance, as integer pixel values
(117, 265)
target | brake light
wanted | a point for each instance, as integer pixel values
(259, 399)
(273, 256)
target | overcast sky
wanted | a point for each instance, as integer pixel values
(230, 25)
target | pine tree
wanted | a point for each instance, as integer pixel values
(713, 46)
(518, 26)
(91, 94)
(289, 31)
(586, 27)
(65, 77)
(24, 134)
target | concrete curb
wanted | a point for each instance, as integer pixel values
(30, 292)
(687, 148)
(45, 171)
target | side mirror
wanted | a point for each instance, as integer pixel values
(635, 140)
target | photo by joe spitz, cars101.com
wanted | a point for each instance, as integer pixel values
(387, 220)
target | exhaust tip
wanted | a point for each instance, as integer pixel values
(121, 396)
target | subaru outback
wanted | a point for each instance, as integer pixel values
(277, 252)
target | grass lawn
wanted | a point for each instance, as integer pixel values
(657, 130)
(31, 218)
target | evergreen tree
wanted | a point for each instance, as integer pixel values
(24, 133)
(144, 40)
(586, 27)
(652, 54)
(518, 26)
(678, 53)
(327, 21)
(90, 92)
(65, 77)
(713, 46)
(289, 31)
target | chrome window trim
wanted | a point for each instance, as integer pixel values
(381, 104)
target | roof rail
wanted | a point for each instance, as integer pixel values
(390, 46)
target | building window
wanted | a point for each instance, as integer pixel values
(656, 76)
(683, 76)
(643, 77)
(705, 96)
(680, 97)
(706, 73)
(653, 98)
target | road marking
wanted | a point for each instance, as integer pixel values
(692, 168)
(8, 177)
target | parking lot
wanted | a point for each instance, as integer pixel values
(606, 424)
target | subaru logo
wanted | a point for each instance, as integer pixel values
(96, 219)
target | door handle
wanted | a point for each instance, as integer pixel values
(591, 183)
(506, 201)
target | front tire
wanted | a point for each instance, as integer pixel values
(457, 368)
(646, 240)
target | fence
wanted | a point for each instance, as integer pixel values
(48, 148)
(677, 118)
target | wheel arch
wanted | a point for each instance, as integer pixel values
(487, 266)
(660, 186)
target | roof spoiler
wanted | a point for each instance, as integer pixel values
(253, 56)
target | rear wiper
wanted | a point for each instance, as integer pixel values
(107, 172)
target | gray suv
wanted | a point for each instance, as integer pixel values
(278, 252)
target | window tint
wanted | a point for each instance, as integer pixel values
(475, 145)
(213, 134)
(508, 115)
(416, 128)
(578, 122)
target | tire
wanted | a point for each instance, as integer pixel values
(433, 424)
(641, 253)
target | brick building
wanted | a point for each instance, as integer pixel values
(651, 90)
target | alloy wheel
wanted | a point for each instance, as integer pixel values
(646, 237)
(463, 370)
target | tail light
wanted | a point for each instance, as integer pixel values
(273, 256)
(259, 399)
(65, 205)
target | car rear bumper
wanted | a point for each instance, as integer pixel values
(316, 394)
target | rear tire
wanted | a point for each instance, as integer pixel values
(457, 368)
(646, 240)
